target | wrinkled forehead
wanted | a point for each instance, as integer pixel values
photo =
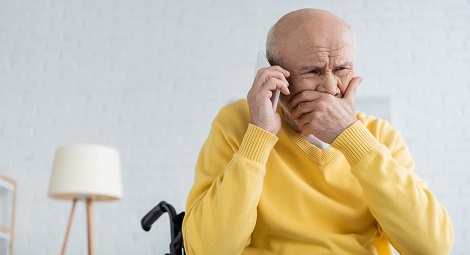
(322, 36)
(314, 45)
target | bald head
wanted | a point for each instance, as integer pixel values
(318, 50)
(319, 27)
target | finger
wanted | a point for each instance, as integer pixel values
(273, 84)
(306, 118)
(284, 89)
(284, 71)
(261, 95)
(305, 96)
(268, 94)
(307, 130)
(302, 109)
(264, 74)
(281, 73)
(305, 125)
(351, 91)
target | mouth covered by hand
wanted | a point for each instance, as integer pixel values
(322, 114)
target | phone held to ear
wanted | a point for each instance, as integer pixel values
(262, 62)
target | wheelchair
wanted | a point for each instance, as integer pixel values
(176, 222)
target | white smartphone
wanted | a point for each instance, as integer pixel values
(262, 62)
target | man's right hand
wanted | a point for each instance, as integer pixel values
(267, 80)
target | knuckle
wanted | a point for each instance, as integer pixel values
(323, 97)
(321, 105)
(277, 67)
(261, 71)
(270, 84)
(272, 80)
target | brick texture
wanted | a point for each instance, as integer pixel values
(148, 77)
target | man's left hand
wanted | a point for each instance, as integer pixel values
(324, 115)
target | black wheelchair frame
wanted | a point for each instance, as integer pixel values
(176, 222)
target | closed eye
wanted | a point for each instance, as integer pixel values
(314, 71)
(340, 68)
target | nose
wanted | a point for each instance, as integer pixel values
(329, 84)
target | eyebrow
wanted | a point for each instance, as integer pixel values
(347, 63)
(314, 66)
(311, 67)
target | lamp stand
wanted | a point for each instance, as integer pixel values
(90, 226)
(68, 226)
(91, 232)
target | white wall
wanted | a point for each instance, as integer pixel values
(149, 76)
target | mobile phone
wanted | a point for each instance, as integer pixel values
(262, 62)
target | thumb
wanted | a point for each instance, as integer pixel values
(351, 91)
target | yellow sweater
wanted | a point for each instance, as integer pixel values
(255, 193)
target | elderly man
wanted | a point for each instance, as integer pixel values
(315, 177)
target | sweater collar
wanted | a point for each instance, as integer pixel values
(319, 156)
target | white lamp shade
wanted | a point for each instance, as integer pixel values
(86, 171)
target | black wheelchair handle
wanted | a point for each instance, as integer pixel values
(152, 216)
(176, 245)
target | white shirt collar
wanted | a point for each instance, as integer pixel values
(317, 142)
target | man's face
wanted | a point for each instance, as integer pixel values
(317, 63)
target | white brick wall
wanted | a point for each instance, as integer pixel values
(149, 76)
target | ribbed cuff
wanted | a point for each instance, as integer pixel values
(355, 142)
(257, 144)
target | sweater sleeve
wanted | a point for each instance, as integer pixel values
(407, 212)
(221, 207)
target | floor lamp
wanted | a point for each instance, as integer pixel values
(86, 172)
